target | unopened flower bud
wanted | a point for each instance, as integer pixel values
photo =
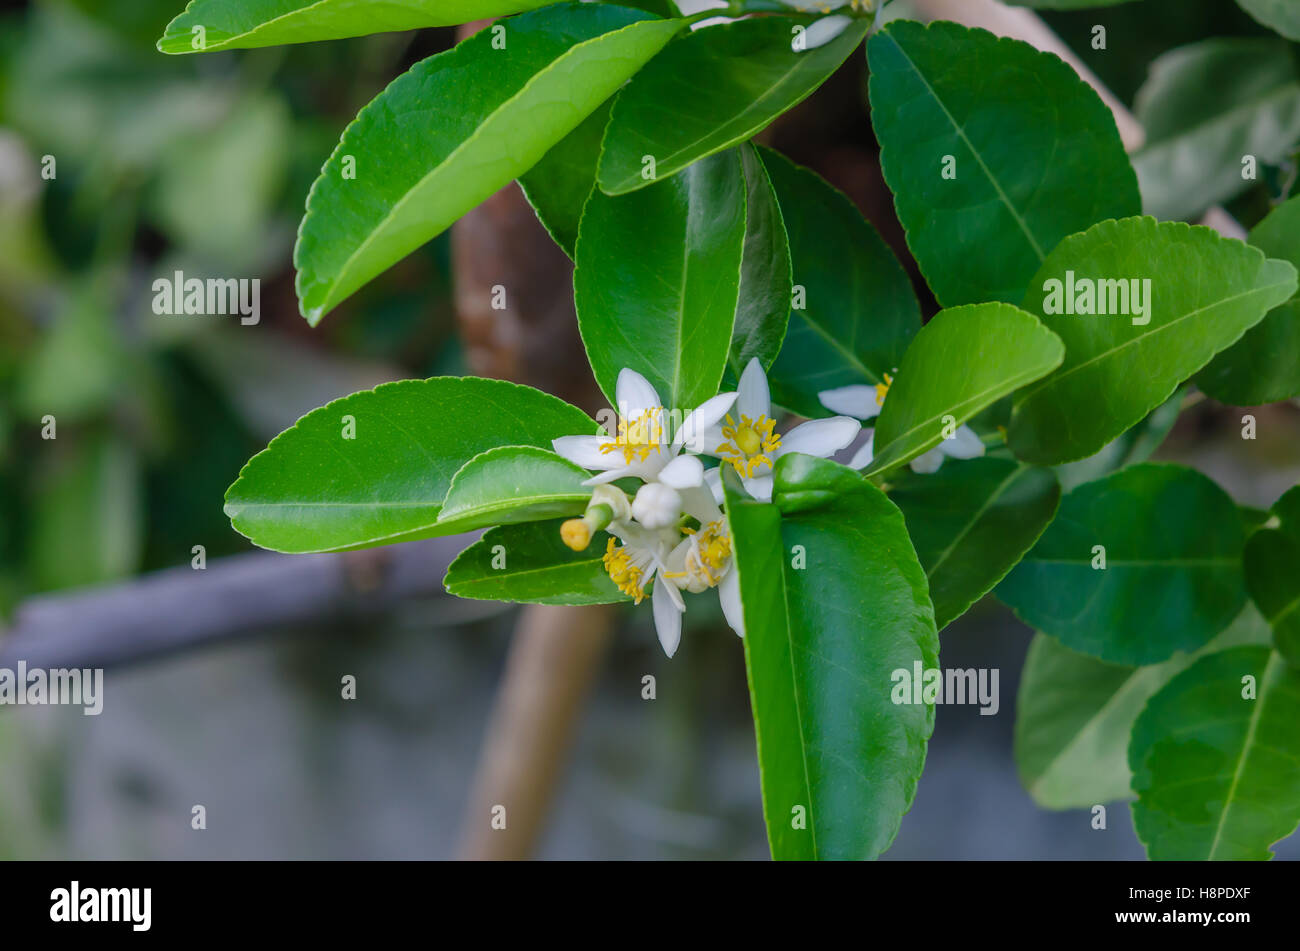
(657, 505)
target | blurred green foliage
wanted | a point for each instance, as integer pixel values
(119, 165)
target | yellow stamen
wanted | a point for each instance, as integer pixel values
(625, 575)
(638, 437)
(882, 390)
(750, 444)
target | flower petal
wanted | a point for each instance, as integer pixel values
(668, 617)
(858, 401)
(821, 437)
(760, 487)
(754, 399)
(699, 502)
(635, 394)
(585, 451)
(822, 32)
(928, 462)
(684, 472)
(964, 444)
(866, 452)
(702, 422)
(729, 596)
(713, 479)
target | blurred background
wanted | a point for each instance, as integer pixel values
(232, 701)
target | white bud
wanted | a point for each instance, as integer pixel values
(657, 505)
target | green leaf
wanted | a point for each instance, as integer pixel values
(513, 484)
(1205, 291)
(317, 488)
(86, 516)
(1282, 16)
(763, 306)
(1204, 108)
(557, 187)
(453, 130)
(1264, 365)
(1217, 768)
(657, 279)
(710, 89)
(854, 308)
(971, 522)
(1036, 152)
(1131, 447)
(529, 563)
(244, 24)
(823, 641)
(1074, 715)
(1272, 564)
(964, 359)
(1171, 541)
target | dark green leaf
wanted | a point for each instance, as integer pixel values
(557, 187)
(1131, 447)
(1280, 15)
(964, 359)
(1035, 155)
(1204, 292)
(971, 522)
(315, 489)
(854, 308)
(1216, 763)
(835, 604)
(763, 309)
(710, 89)
(657, 279)
(411, 164)
(529, 563)
(1170, 541)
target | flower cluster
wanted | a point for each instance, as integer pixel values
(671, 535)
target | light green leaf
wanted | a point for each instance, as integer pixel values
(971, 522)
(657, 279)
(1030, 151)
(557, 187)
(243, 24)
(1074, 715)
(710, 89)
(763, 307)
(1283, 16)
(1135, 566)
(529, 563)
(823, 644)
(1204, 292)
(453, 130)
(1204, 109)
(854, 308)
(964, 359)
(1264, 365)
(513, 484)
(1216, 766)
(374, 467)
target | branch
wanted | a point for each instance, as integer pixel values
(181, 608)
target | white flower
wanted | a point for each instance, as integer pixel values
(864, 402)
(704, 560)
(641, 448)
(751, 445)
(638, 562)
